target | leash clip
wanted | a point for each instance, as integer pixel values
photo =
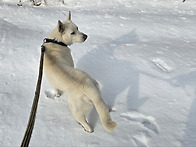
(45, 40)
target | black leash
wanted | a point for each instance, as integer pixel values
(31, 122)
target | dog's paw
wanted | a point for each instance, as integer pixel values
(58, 95)
(87, 129)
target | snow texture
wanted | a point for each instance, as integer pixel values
(142, 53)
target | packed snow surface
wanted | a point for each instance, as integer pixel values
(142, 53)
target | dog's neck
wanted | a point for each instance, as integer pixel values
(48, 40)
(56, 36)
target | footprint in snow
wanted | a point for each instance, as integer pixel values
(141, 140)
(147, 121)
(49, 94)
(162, 65)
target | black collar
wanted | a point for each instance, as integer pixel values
(47, 40)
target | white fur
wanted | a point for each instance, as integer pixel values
(82, 91)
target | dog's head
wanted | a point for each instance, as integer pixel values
(69, 32)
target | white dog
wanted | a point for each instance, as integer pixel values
(82, 91)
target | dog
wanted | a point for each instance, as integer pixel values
(81, 89)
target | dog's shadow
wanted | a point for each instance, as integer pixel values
(114, 74)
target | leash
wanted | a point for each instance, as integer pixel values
(31, 122)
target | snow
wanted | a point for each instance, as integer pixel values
(141, 52)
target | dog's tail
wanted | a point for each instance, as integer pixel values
(94, 95)
(104, 114)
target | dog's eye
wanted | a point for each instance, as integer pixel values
(72, 33)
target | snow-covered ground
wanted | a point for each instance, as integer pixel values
(142, 53)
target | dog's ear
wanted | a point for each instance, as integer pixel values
(61, 26)
(69, 16)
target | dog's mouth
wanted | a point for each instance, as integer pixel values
(85, 37)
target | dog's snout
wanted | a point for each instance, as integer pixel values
(85, 37)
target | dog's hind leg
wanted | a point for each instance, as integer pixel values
(82, 121)
(79, 108)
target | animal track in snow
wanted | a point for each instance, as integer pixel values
(162, 65)
(147, 121)
(141, 140)
(49, 94)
